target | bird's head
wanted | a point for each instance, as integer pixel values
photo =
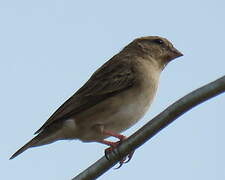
(158, 48)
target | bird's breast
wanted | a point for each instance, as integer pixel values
(119, 112)
(130, 108)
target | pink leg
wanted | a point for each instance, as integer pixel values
(108, 143)
(119, 136)
(115, 144)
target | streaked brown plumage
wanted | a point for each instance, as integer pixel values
(115, 97)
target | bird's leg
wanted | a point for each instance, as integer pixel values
(118, 136)
(114, 145)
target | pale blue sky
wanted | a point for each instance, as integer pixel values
(49, 48)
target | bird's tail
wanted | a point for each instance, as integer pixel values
(31, 143)
(42, 138)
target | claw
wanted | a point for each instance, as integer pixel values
(106, 154)
(112, 147)
(129, 157)
(120, 165)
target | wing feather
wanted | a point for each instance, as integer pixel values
(114, 76)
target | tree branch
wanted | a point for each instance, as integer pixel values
(152, 127)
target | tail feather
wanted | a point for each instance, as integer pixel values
(31, 143)
(44, 137)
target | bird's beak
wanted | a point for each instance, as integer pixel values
(174, 53)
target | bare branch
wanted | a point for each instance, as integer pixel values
(154, 126)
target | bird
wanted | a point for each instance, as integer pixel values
(115, 97)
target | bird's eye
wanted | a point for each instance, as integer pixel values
(158, 41)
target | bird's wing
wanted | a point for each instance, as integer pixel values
(113, 77)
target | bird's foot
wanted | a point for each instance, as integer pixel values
(112, 147)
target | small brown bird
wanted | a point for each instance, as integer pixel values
(115, 97)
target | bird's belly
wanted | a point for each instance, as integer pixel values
(115, 114)
(126, 116)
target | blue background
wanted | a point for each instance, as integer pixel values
(49, 48)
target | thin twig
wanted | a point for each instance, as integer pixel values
(154, 126)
